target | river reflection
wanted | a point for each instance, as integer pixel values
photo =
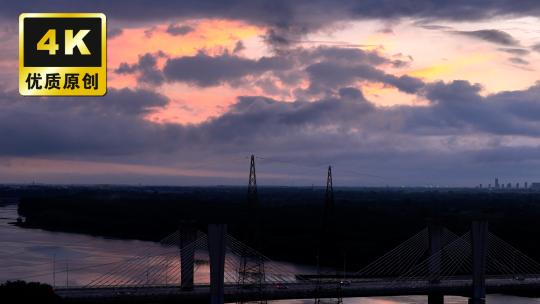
(62, 259)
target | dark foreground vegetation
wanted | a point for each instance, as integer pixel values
(369, 221)
(22, 292)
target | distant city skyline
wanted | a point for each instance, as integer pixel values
(442, 93)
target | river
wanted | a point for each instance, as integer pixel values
(71, 259)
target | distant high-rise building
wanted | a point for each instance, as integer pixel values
(497, 183)
(526, 185)
(489, 186)
(508, 186)
(517, 185)
(480, 186)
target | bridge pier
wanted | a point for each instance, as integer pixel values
(435, 231)
(187, 256)
(216, 249)
(479, 250)
(435, 298)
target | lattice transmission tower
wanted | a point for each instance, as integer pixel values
(251, 272)
(327, 243)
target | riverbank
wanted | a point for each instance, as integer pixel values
(369, 221)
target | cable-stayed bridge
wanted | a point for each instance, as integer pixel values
(433, 262)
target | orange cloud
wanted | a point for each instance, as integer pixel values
(383, 95)
(212, 35)
(188, 104)
(485, 68)
(194, 105)
(451, 68)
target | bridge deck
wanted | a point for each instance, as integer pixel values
(301, 290)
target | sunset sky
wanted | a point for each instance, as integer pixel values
(388, 92)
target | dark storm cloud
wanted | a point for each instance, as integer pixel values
(278, 40)
(429, 26)
(523, 105)
(146, 68)
(239, 47)
(458, 108)
(336, 67)
(264, 122)
(344, 128)
(287, 18)
(518, 60)
(340, 55)
(126, 68)
(455, 92)
(179, 30)
(515, 51)
(330, 74)
(276, 11)
(493, 36)
(204, 70)
(114, 32)
(116, 124)
(110, 125)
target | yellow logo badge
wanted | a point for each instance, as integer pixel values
(62, 54)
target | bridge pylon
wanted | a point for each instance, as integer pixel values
(435, 236)
(216, 252)
(188, 235)
(479, 235)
